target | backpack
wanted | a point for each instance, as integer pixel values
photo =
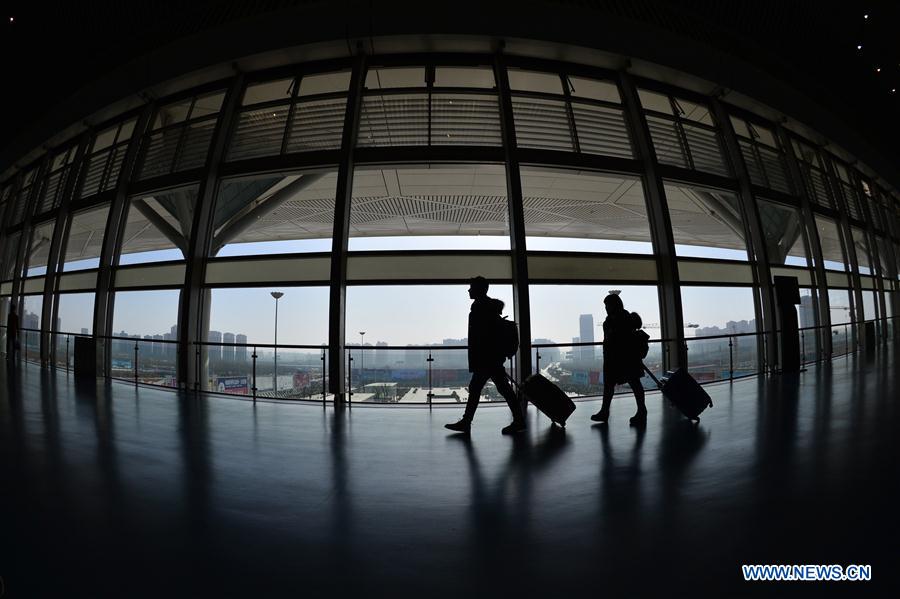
(642, 343)
(641, 338)
(507, 337)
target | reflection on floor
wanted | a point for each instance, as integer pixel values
(117, 491)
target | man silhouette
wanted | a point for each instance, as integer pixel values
(12, 333)
(486, 358)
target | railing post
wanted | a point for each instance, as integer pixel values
(430, 384)
(253, 360)
(324, 386)
(67, 353)
(135, 363)
(802, 347)
(846, 341)
(537, 360)
(349, 376)
(730, 359)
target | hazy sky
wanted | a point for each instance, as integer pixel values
(403, 315)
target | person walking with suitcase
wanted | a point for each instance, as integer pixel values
(621, 358)
(486, 358)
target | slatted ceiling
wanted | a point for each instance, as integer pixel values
(435, 211)
(195, 145)
(394, 120)
(542, 124)
(853, 203)
(666, 141)
(601, 130)
(51, 194)
(706, 151)
(317, 125)
(458, 119)
(776, 169)
(818, 188)
(755, 170)
(258, 133)
(94, 174)
(159, 153)
(115, 167)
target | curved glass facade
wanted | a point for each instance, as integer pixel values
(369, 190)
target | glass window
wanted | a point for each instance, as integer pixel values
(568, 210)
(886, 257)
(706, 223)
(423, 207)
(714, 311)
(146, 313)
(268, 92)
(431, 315)
(830, 240)
(39, 250)
(250, 313)
(534, 81)
(558, 311)
(480, 77)
(146, 320)
(75, 313)
(85, 242)
(159, 226)
(806, 311)
(654, 101)
(32, 312)
(783, 229)
(861, 243)
(839, 301)
(710, 311)
(870, 309)
(594, 89)
(11, 247)
(277, 213)
(324, 83)
(395, 77)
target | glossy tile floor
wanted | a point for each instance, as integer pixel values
(117, 491)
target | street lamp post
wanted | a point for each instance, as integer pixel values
(361, 360)
(277, 295)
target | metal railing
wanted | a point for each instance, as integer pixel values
(415, 374)
(228, 368)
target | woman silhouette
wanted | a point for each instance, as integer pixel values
(621, 358)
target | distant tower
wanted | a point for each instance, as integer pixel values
(586, 330)
(215, 351)
(228, 351)
(240, 352)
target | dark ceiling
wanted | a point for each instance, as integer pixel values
(51, 49)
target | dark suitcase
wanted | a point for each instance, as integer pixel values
(684, 392)
(548, 398)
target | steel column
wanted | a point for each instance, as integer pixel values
(668, 282)
(820, 279)
(337, 301)
(755, 238)
(115, 227)
(518, 248)
(193, 306)
(60, 237)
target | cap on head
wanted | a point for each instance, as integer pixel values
(478, 284)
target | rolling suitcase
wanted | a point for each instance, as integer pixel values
(684, 392)
(548, 398)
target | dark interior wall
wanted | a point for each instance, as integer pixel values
(68, 60)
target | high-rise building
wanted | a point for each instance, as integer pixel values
(214, 351)
(586, 334)
(240, 352)
(228, 350)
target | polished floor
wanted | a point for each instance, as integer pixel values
(112, 491)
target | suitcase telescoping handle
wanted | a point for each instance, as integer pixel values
(652, 376)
